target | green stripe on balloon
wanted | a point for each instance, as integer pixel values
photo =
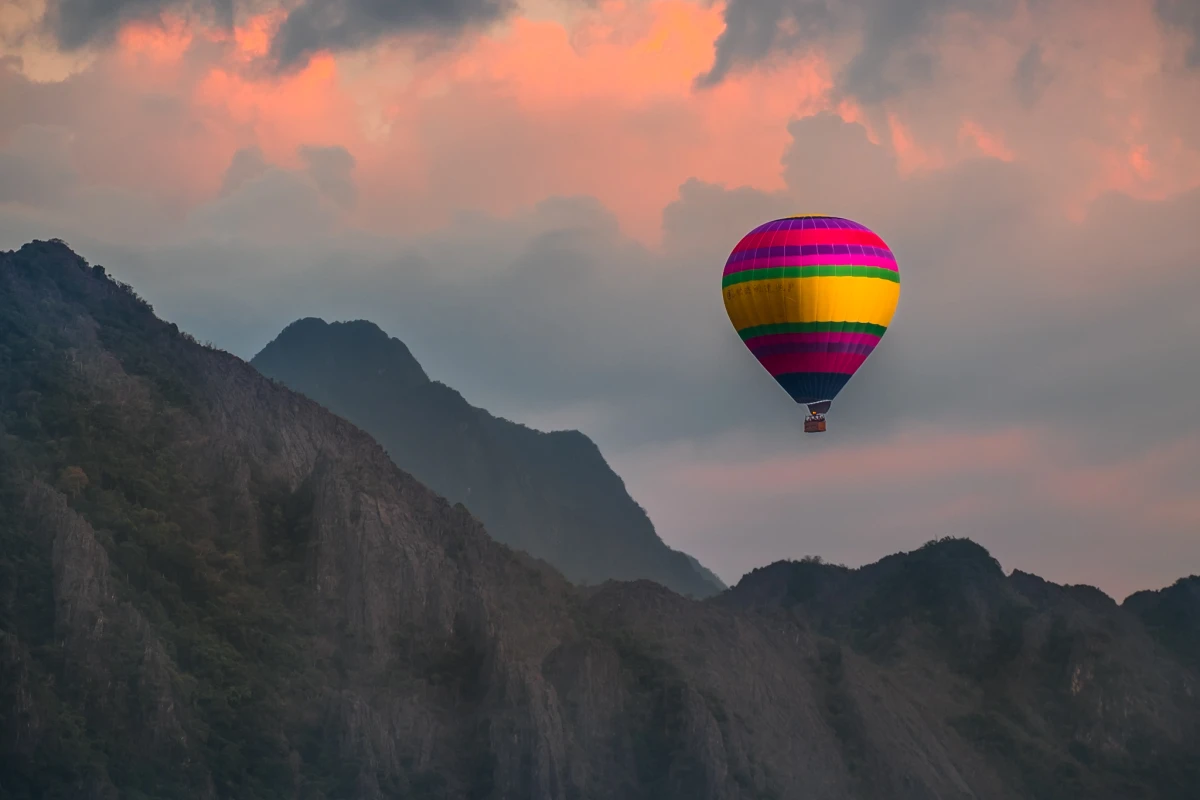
(823, 271)
(812, 327)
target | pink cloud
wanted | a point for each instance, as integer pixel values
(855, 502)
(915, 458)
(1154, 489)
(604, 105)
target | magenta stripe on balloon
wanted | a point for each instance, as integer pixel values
(843, 363)
(845, 348)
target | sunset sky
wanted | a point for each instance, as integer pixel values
(538, 197)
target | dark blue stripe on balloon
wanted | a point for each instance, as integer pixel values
(810, 387)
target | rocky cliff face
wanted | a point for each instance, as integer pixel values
(210, 586)
(549, 494)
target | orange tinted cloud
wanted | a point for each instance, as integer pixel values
(606, 109)
(910, 156)
(604, 105)
(282, 113)
(155, 43)
(989, 144)
(1143, 165)
(254, 38)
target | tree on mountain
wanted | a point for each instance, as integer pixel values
(72, 480)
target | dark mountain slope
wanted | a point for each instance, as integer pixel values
(1064, 692)
(550, 494)
(1172, 616)
(212, 587)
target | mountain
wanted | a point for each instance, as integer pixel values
(549, 494)
(1172, 616)
(213, 587)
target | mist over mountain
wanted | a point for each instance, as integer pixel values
(549, 494)
(213, 587)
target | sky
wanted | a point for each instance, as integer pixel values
(538, 197)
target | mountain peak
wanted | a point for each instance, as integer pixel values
(960, 551)
(357, 352)
(1172, 615)
(551, 494)
(50, 247)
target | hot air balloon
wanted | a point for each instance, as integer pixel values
(811, 296)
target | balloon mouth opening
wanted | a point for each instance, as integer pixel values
(820, 407)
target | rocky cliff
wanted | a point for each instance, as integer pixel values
(210, 586)
(549, 494)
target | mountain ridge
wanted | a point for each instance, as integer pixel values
(549, 493)
(211, 586)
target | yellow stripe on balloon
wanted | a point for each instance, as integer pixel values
(819, 299)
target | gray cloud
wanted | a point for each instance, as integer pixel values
(754, 28)
(891, 29)
(275, 203)
(332, 170)
(310, 26)
(78, 23)
(34, 167)
(247, 164)
(348, 24)
(1031, 76)
(1184, 14)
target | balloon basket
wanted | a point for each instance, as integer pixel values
(814, 423)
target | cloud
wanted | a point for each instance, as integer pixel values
(891, 31)
(275, 204)
(248, 163)
(1185, 15)
(332, 169)
(1031, 76)
(308, 27)
(555, 307)
(79, 23)
(318, 25)
(35, 166)
(1122, 522)
(542, 211)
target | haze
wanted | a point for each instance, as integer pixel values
(538, 198)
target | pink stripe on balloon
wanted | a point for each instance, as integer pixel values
(809, 236)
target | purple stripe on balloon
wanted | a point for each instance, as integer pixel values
(846, 337)
(808, 223)
(813, 347)
(815, 250)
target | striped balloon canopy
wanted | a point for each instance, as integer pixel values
(811, 296)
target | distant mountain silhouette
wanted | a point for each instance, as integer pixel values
(549, 494)
(1172, 615)
(213, 587)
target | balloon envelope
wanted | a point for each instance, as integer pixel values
(811, 296)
